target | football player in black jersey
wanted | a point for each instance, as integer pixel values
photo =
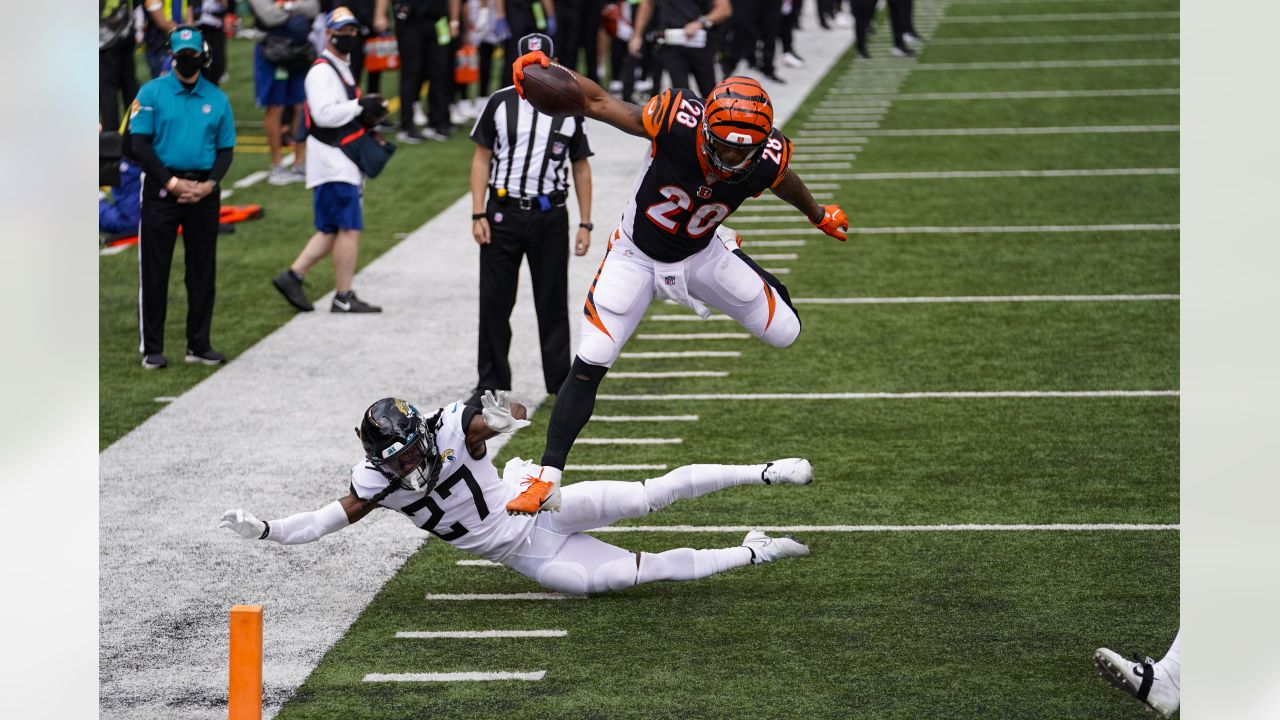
(705, 158)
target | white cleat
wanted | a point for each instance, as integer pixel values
(767, 549)
(1146, 681)
(788, 471)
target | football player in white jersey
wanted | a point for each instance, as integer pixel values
(435, 470)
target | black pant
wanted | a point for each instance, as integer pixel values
(486, 67)
(217, 41)
(682, 62)
(423, 59)
(544, 238)
(578, 31)
(789, 24)
(753, 22)
(116, 81)
(900, 20)
(161, 217)
(863, 12)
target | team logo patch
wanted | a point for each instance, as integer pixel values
(448, 455)
(497, 217)
(704, 192)
(402, 406)
(134, 107)
(535, 44)
(739, 138)
(206, 108)
(669, 279)
(184, 35)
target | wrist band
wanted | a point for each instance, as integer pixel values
(589, 226)
(478, 216)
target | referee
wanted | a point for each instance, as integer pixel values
(183, 136)
(523, 158)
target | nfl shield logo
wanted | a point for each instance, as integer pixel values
(557, 148)
(704, 192)
(669, 279)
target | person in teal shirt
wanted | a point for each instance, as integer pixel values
(183, 135)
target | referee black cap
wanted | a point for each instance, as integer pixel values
(537, 41)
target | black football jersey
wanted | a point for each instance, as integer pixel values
(679, 200)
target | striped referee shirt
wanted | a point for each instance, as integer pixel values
(531, 151)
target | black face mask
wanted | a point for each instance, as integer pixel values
(346, 44)
(188, 65)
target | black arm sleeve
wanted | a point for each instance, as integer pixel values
(148, 159)
(221, 164)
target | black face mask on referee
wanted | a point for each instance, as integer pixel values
(519, 191)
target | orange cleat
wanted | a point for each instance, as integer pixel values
(538, 495)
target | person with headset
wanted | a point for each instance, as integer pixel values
(183, 135)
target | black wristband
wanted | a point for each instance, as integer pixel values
(479, 216)
(266, 529)
(589, 226)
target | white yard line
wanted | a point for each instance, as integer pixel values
(1049, 64)
(1057, 17)
(958, 395)
(692, 336)
(681, 354)
(973, 174)
(673, 374)
(798, 165)
(613, 468)
(777, 271)
(807, 157)
(1051, 527)
(982, 299)
(251, 179)
(629, 441)
(931, 229)
(454, 676)
(691, 318)
(773, 243)
(643, 418)
(1064, 130)
(1049, 39)
(478, 634)
(503, 596)
(478, 563)
(1023, 94)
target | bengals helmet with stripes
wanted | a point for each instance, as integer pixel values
(739, 116)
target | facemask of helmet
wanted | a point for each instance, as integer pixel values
(730, 173)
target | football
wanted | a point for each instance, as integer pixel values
(553, 90)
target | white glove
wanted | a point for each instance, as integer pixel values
(243, 523)
(497, 413)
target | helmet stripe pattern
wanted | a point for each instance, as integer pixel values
(739, 112)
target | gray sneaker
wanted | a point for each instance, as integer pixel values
(291, 288)
(352, 304)
(281, 175)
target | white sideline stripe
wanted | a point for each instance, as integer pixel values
(692, 336)
(629, 441)
(643, 418)
(776, 256)
(661, 355)
(777, 271)
(1026, 94)
(1059, 17)
(505, 596)
(673, 374)
(478, 563)
(970, 174)
(1052, 527)
(251, 179)
(982, 299)
(1048, 64)
(959, 395)
(476, 634)
(165, 399)
(1066, 130)
(773, 243)
(612, 468)
(454, 676)
(1050, 39)
(821, 165)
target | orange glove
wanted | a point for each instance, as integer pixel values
(517, 67)
(834, 222)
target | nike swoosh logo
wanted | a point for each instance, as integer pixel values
(342, 305)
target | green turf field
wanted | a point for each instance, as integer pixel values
(891, 624)
(885, 625)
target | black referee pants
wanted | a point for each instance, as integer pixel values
(161, 217)
(544, 238)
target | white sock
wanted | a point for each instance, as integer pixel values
(1171, 663)
(690, 564)
(691, 481)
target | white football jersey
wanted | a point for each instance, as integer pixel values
(467, 507)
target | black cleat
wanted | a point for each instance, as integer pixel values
(206, 357)
(154, 361)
